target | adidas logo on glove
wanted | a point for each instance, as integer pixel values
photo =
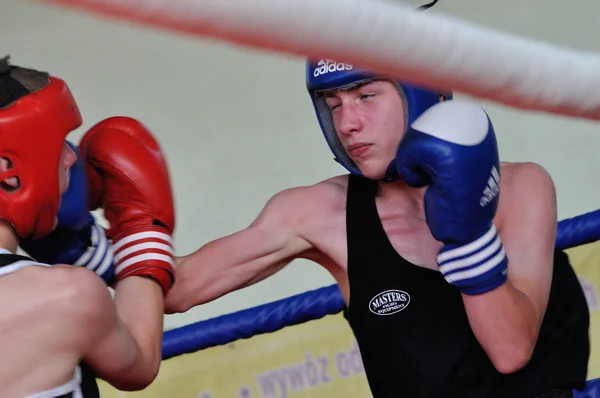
(492, 189)
(328, 65)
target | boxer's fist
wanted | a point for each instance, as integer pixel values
(129, 180)
(452, 148)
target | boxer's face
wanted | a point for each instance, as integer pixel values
(67, 159)
(369, 121)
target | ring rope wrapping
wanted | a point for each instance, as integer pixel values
(427, 49)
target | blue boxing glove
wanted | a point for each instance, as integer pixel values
(452, 148)
(77, 239)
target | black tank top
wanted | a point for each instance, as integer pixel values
(87, 386)
(414, 334)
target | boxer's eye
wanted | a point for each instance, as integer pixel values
(365, 96)
(332, 107)
(10, 184)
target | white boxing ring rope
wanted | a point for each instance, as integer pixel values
(418, 47)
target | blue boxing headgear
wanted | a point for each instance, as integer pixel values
(326, 75)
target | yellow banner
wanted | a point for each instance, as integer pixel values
(315, 359)
(318, 359)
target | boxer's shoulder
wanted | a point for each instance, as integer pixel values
(523, 184)
(58, 292)
(334, 189)
(517, 175)
(324, 195)
(303, 206)
(330, 194)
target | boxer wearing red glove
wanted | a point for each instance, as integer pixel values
(62, 328)
(121, 156)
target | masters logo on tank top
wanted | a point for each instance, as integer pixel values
(389, 302)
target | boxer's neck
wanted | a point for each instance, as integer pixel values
(8, 237)
(404, 196)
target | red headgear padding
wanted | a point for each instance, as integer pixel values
(32, 135)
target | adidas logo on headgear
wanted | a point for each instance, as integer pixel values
(328, 65)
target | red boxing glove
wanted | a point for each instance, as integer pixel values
(129, 179)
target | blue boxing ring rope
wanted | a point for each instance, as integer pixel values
(318, 303)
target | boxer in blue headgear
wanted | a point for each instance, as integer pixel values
(326, 75)
(452, 289)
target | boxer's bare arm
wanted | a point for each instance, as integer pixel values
(280, 234)
(126, 334)
(506, 321)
